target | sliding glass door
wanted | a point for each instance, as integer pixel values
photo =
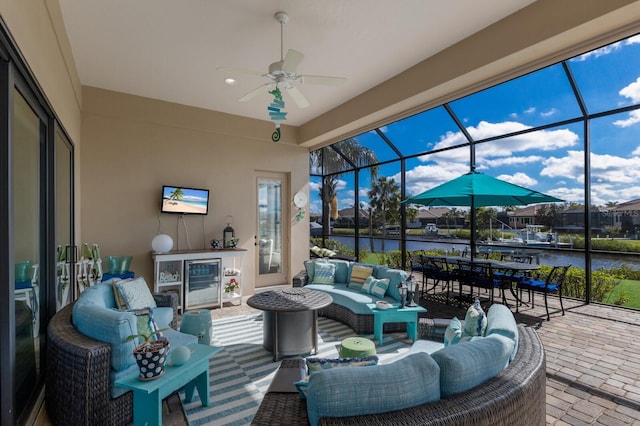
(27, 139)
(271, 235)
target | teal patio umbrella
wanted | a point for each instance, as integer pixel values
(479, 190)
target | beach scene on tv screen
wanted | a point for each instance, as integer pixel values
(184, 200)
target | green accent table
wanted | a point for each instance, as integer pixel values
(148, 395)
(357, 347)
(395, 314)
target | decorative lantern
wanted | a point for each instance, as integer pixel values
(402, 289)
(228, 234)
(412, 288)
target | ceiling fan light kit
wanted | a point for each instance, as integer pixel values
(283, 77)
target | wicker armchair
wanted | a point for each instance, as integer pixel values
(516, 396)
(77, 374)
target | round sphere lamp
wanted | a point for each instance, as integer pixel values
(162, 243)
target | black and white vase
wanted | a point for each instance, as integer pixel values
(151, 358)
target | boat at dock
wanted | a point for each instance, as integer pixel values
(530, 236)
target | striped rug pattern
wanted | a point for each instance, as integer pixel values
(243, 370)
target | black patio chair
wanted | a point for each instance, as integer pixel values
(552, 284)
(477, 274)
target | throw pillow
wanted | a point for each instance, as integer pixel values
(359, 273)
(323, 273)
(135, 294)
(375, 286)
(453, 332)
(315, 365)
(380, 287)
(475, 322)
(146, 324)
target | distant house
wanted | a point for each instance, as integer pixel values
(438, 216)
(346, 218)
(520, 218)
(572, 219)
(625, 215)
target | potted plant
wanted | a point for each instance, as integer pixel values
(231, 286)
(151, 354)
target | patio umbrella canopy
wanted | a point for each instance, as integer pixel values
(479, 190)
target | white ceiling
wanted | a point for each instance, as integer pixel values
(170, 49)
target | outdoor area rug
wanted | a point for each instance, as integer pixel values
(242, 371)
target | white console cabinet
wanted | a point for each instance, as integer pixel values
(199, 277)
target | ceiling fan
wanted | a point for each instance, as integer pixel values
(282, 74)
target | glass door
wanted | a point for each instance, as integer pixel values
(27, 134)
(65, 250)
(272, 229)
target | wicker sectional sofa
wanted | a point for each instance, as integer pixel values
(349, 304)
(516, 396)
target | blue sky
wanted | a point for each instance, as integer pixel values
(550, 160)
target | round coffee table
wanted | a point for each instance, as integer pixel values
(290, 319)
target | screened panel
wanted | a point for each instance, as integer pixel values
(430, 170)
(424, 132)
(615, 177)
(375, 143)
(533, 100)
(609, 77)
(550, 161)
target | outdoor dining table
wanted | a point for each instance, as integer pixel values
(509, 271)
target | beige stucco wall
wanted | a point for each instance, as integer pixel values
(38, 30)
(133, 145)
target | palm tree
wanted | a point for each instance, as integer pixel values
(176, 195)
(385, 200)
(334, 161)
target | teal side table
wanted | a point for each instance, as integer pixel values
(197, 323)
(148, 395)
(395, 314)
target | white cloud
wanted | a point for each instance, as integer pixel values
(530, 110)
(636, 151)
(633, 40)
(634, 117)
(510, 161)
(611, 176)
(549, 113)
(599, 52)
(424, 177)
(519, 179)
(632, 91)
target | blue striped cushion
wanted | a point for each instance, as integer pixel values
(323, 273)
(375, 286)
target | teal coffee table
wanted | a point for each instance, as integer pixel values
(395, 314)
(148, 395)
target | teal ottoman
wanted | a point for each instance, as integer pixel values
(357, 347)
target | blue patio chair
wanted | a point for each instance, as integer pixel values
(552, 284)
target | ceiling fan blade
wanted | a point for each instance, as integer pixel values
(291, 61)
(229, 70)
(255, 92)
(322, 79)
(298, 97)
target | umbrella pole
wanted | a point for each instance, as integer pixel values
(472, 240)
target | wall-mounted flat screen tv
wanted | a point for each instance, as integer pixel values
(182, 200)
